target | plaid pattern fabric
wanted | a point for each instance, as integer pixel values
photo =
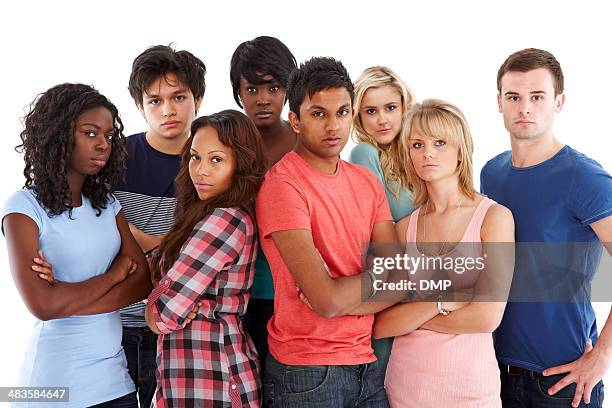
(210, 362)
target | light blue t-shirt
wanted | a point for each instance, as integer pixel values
(552, 202)
(367, 155)
(83, 353)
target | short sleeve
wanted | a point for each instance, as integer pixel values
(383, 211)
(24, 202)
(213, 246)
(366, 155)
(114, 204)
(281, 206)
(483, 178)
(591, 194)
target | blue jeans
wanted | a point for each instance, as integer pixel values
(140, 347)
(323, 386)
(127, 401)
(527, 392)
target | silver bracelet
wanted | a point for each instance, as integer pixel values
(442, 310)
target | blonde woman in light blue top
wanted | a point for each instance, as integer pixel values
(381, 102)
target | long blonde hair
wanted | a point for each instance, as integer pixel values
(390, 162)
(438, 119)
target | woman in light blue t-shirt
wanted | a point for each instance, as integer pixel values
(381, 102)
(74, 151)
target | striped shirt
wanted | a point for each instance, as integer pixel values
(147, 198)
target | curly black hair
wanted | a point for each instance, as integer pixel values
(47, 144)
(257, 58)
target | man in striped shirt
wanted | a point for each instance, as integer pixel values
(167, 87)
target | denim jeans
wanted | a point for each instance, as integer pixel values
(127, 401)
(140, 347)
(323, 386)
(527, 392)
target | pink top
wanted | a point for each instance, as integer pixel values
(431, 369)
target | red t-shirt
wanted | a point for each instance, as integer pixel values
(340, 210)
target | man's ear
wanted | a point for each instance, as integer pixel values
(294, 121)
(197, 103)
(499, 103)
(559, 102)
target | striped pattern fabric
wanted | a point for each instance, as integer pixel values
(147, 195)
(211, 361)
(153, 216)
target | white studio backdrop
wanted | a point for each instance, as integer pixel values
(444, 49)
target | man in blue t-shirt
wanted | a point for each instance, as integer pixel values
(548, 351)
(167, 87)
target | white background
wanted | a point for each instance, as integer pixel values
(443, 49)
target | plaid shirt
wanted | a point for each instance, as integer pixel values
(210, 362)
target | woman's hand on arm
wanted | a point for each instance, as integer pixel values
(402, 318)
(151, 320)
(134, 287)
(484, 313)
(175, 301)
(45, 269)
(47, 301)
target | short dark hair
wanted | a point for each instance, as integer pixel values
(315, 75)
(530, 59)
(257, 58)
(161, 60)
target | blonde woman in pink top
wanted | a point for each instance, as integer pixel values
(443, 352)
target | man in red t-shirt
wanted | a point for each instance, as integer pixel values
(316, 213)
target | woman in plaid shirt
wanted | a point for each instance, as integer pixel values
(206, 263)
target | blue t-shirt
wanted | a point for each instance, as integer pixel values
(553, 202)
(83, 353)
(147, 198)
